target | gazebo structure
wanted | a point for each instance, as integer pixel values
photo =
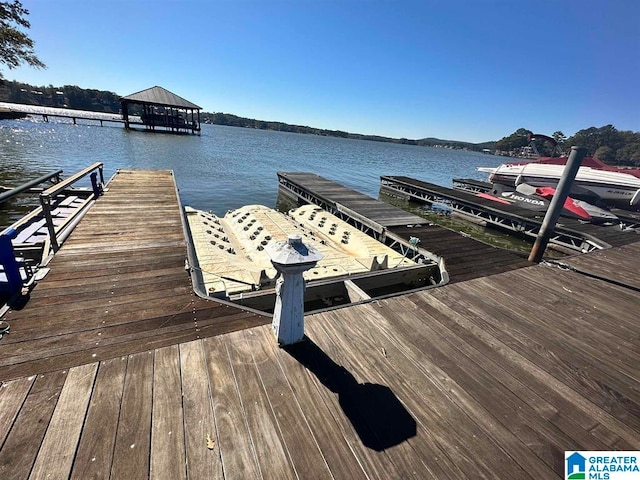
(157, 109)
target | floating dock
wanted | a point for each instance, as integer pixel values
(460, 257)
(107, 372)
(232, 250)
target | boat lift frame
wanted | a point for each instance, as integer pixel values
(561, 236)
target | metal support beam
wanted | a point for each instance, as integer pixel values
(553, 212)
(45, 201)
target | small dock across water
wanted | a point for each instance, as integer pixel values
(56, 112)
(115, 370)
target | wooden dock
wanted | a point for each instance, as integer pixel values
(57, 112)
(114, 369)
(117, 286)
(464, 257)
(312, 188)
(476, 379)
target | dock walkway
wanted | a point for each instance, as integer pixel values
(313, 188)
(491, 378)
(117, 286)
(57, 112)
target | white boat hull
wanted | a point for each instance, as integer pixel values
(612, 187)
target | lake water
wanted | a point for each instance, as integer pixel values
(224, 168)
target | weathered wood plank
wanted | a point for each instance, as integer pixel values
(202, 459)
(133, 437)
(134, 344)
(550, 407)
(380, 419)
(567, 317)
(612, 304)
(440, 454)
(271, 453)
(59, 446)
(232, 435)
(95, 450)
(12, 396)
(105, 287)
(612, 264)
(597, 379)
(38, 324)
(115, 295)
(299, 439)
(21, 446)
(536, 361)
(334, 193)
(167, 428)
(331, 438)
(508, 404)
(108, 279)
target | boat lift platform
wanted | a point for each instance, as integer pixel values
(569, 233)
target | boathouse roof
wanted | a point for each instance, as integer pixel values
(160, 96)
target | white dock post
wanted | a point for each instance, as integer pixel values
(290, 259)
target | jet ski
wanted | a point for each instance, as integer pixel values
(594, 214)
(538, 199)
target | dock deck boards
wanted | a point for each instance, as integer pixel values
(478, 378)
(115, 370)
(613, 264)
(334, 193)
(465, 257)
(117, 286)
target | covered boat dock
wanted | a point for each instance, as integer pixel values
(160, 110)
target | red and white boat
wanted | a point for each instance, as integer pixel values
(614, 186)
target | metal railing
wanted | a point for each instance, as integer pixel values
(50, 193)
(55, 177)
(15, 271)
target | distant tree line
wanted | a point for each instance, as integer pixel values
(612, 146)
(236, 121)
(71, 96)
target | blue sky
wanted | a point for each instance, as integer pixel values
(471, 70)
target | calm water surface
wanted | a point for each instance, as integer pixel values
(225, 167)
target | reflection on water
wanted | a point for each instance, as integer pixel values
(224, 168)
